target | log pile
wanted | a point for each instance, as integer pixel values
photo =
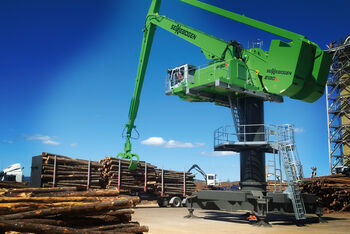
(62, 171)
(270, 187)
(333, 191)
(13, 184)
(174, 182)
(66, 210)
(140, 179)
(146, 177)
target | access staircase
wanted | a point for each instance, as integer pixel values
(279, 138)
(235, 113)
(285, 144)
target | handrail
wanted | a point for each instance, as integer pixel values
(254, 133)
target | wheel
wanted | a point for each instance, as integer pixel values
(162, 202)
(184, 202)
(176, 202)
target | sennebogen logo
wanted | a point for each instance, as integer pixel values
(274, 71)
(179, 30)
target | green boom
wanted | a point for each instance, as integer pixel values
(297, 69)
(135, 101)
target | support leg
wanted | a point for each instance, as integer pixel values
(261, 222)
(321, 220)
(190, 214)
(190, 209)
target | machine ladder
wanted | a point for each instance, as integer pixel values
(235, 114)
(275, 173)
(292, 167)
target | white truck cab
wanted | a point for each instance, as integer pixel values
(211, 179)
(12, 173)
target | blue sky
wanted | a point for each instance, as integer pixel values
(67, 72)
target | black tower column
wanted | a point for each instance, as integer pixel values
(252, 161)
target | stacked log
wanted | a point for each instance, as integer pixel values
(271, 186)
(13, 184)
(62, 171)
(174, 182)
(66, 210)
(333, 191)
(143, 178)
(146, 177)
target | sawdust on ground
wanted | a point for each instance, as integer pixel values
(171, 220)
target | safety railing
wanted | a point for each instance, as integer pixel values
(254, 133)
(247, 133)
(204, 73)
(285, 134)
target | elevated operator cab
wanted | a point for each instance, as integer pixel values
(179, 75)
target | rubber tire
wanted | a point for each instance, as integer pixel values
(177, 202)
(162, 202)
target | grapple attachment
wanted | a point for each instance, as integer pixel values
(134, 158)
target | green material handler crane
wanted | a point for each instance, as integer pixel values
(297, 69)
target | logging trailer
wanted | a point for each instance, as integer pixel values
(167, 187)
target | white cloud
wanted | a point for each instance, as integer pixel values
(180, 144)
(50, 142)
(159, 141)
(154, 141)
(47, 140)
(219, 153)
(7, 142)
(37, 137)
(298, 130)
(73, 144)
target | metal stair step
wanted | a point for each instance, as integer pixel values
(286, 151)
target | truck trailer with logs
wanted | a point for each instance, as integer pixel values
(333, 191)
(147, 181)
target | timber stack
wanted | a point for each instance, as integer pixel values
(333, 191)
(116, 174)
(175, 182)
(12, 184)
(110, 173)
(276, 186)
(146, 177)
(62, 171)
(66, 210)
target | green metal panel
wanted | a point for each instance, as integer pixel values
(234, 72)
(241, 72)
(291, 69)
(288, 67)
(211, 46)
(315, 87)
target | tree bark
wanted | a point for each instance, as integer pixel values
(114, 205)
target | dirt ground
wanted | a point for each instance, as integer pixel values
(171, 220)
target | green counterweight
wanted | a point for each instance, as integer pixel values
(297, 69)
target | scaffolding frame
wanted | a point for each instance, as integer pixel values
(338, 106)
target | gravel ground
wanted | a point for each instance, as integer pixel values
(171, 220)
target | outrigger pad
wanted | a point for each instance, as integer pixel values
(190, 214)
